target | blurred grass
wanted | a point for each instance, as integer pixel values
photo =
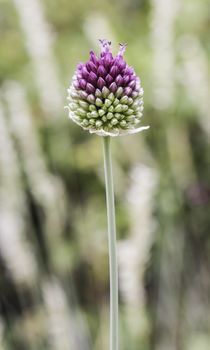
(65, 225)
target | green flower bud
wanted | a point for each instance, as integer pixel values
(119, 92)
(73, 106)
(130, 118)
(94, 114)
(108, 103)
(91, 99)
(80, 112)
(118, 116)
(111, 109)
(99, 123)
(118, 108)
(105, 92)
(104, 118)
(99, 102)
(124, 108)
(85, 122)
(110, 115)
(92, 108)
(116, 102)
(124, 100)
(123, 123)
(101, 112)
(111, 97)
(114, 121)
(129, 111)
(98, 93)
(83, 104)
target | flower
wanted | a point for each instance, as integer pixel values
(105, 96)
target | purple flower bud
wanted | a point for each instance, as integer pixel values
(79, 75)
(92, 78)
(91, 67)
(79, 66)
(90, 88)
(113, 87)
(109, 79)
(82, 84)
(134, 94)
(83, 94)
(101, 83)
(101, 71)
(134, 77)
(127, 91)
(128, 71)
(121, 64)
(126, 80)
(114, 71)
(102, 54)
(93, 58)
(100, 62)
(76, 85)
(85, 73)
(91, 98)
(138, 85)
(119, 80)
(108, 59)
(132, 84)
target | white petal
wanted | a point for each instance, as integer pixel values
(102, 132)
(133, 131)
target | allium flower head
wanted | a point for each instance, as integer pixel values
(106, 96)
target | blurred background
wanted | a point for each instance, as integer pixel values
(54, 281)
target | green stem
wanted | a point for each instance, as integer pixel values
(112, 245)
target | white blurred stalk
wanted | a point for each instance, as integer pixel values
(14, 247)
(67, 329)
(38, 41)
(46, 188)
(164, 15)
(134, 252)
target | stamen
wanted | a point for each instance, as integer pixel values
(105, 45)
(122, 49)
(93, 57)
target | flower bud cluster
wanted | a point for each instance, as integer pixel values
(106, 96)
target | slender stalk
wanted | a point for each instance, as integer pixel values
(112, 245)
